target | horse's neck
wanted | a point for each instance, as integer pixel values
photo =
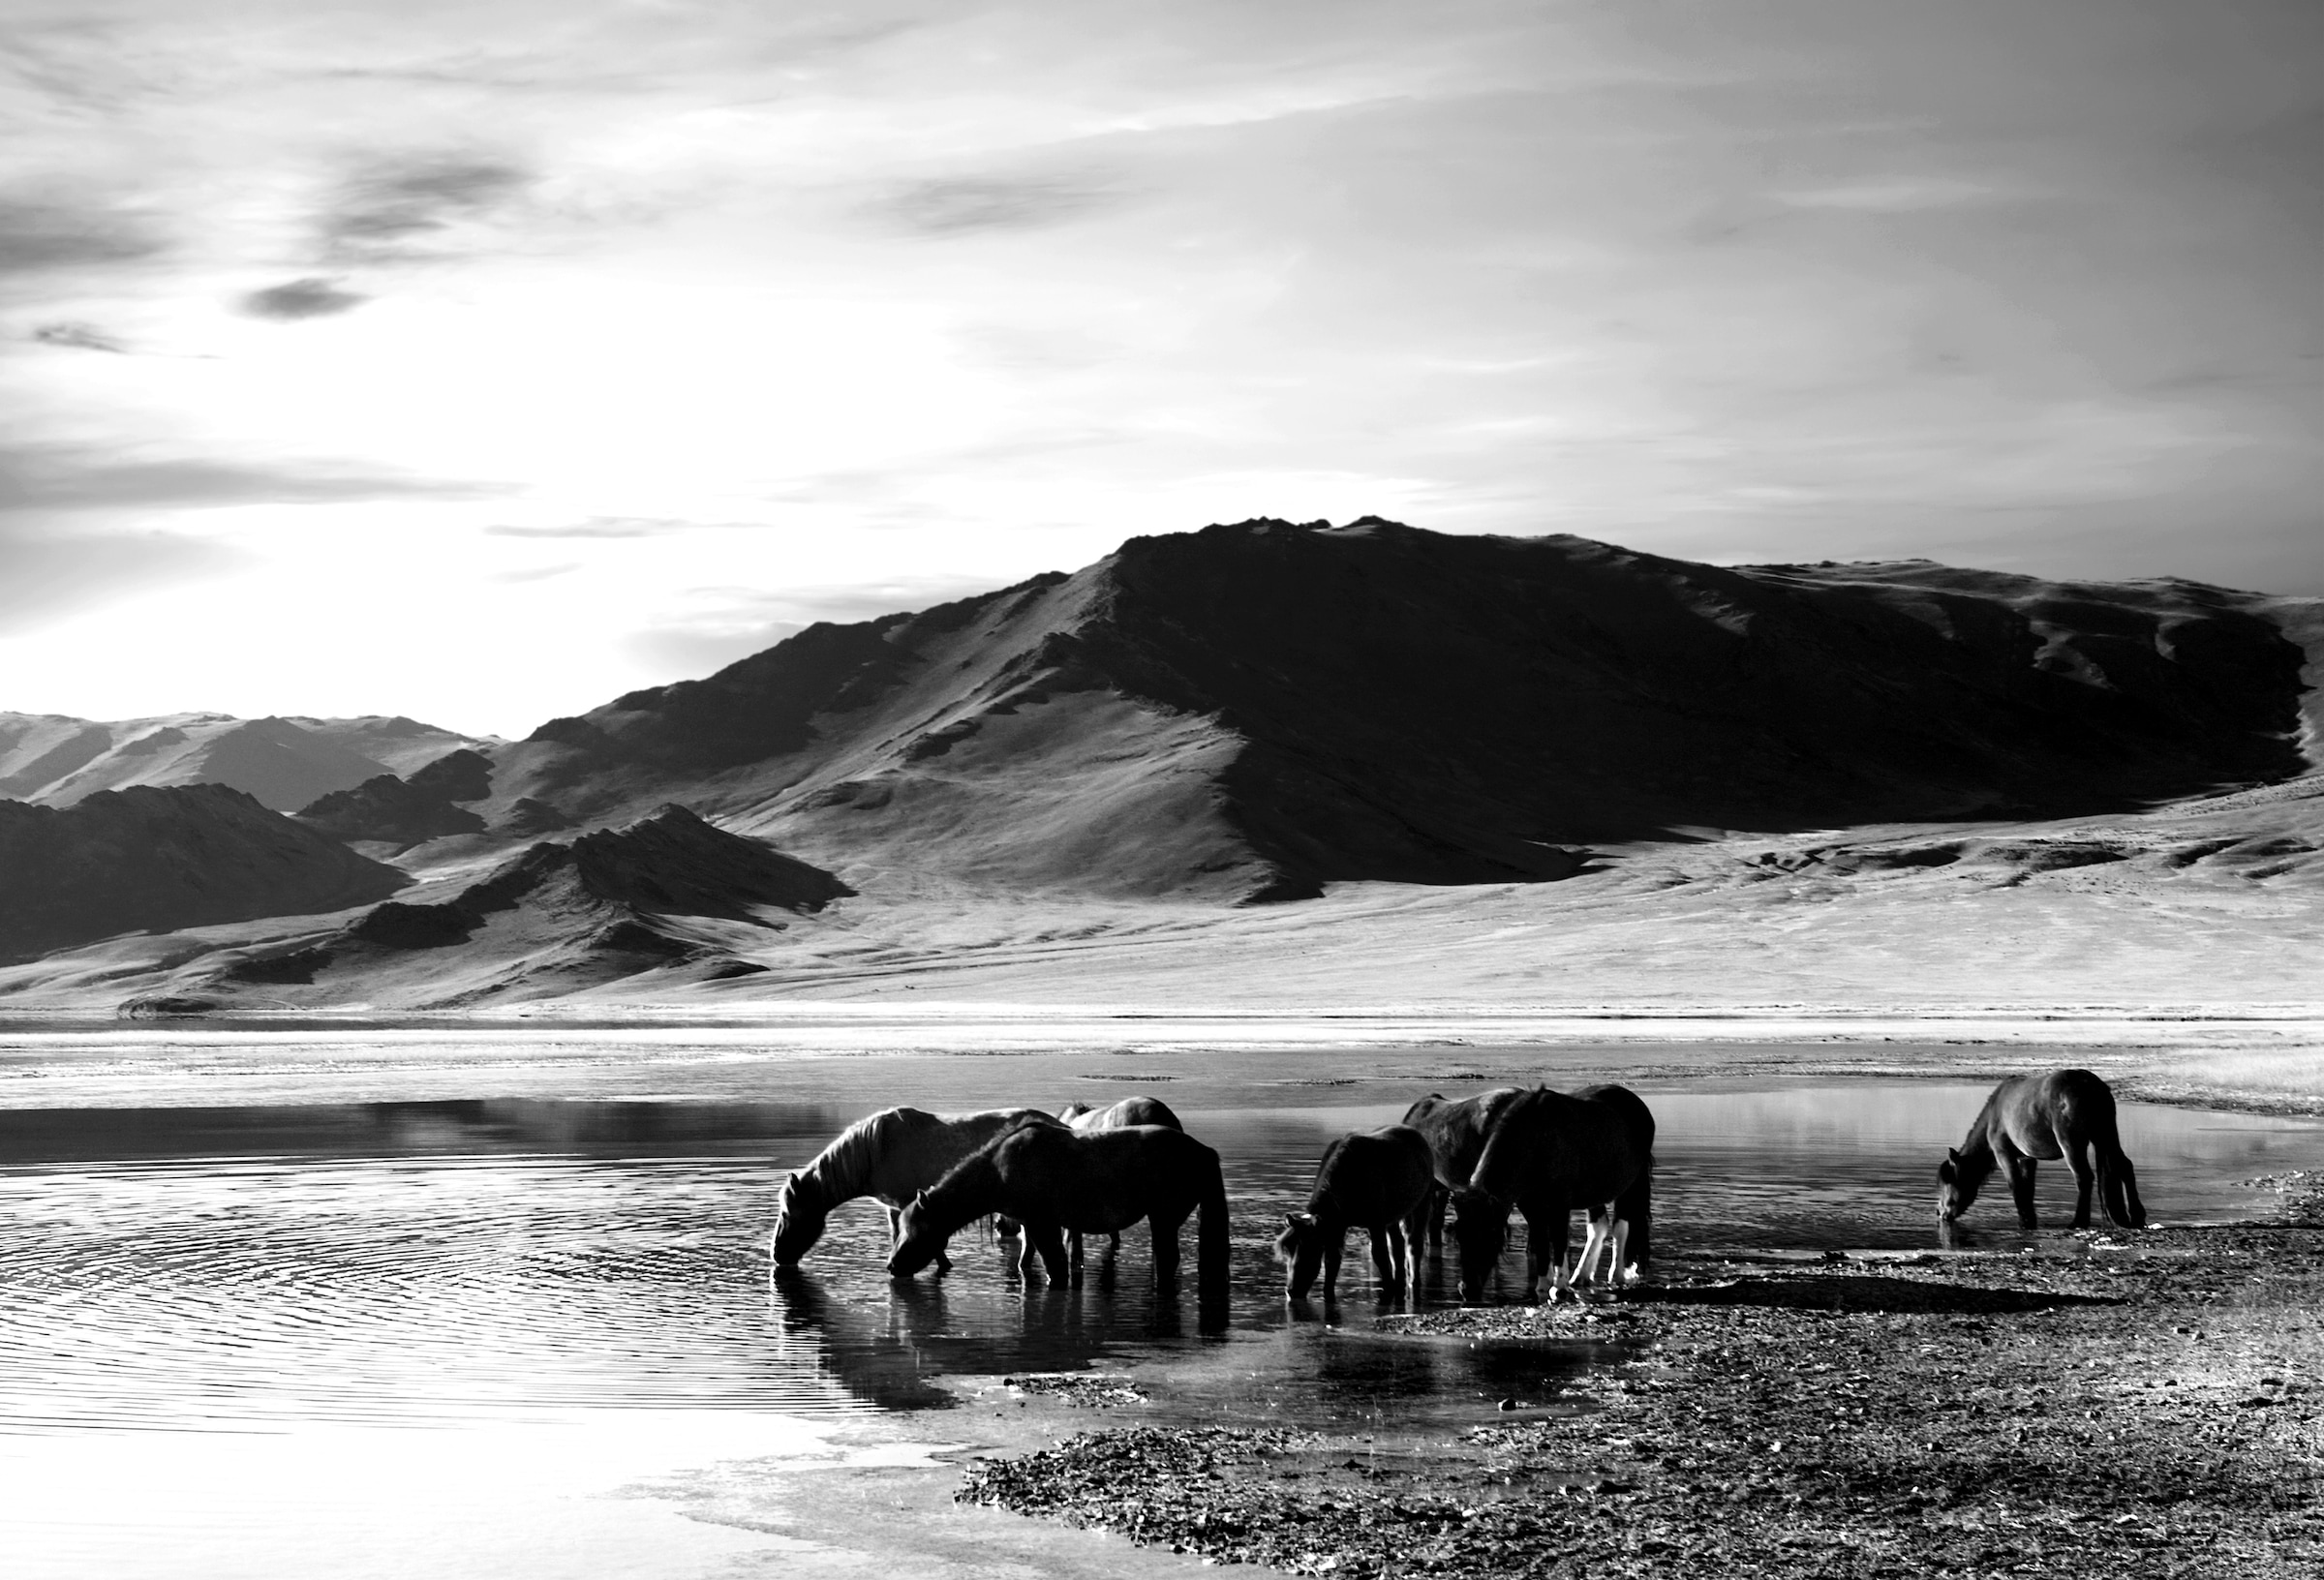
(1977, 1157)
(967, 1192)
(1500, 1163)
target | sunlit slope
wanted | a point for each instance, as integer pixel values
(285, 763)
(1258, 710)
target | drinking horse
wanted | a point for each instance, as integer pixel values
(1051, 1179)
(1088, 1116)
(1548, 1153)
(2067, 1113)
(1381, 1180)
(1455, 1127)
(891, 1155)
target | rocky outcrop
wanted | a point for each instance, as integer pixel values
(406, 811)
(152, 859)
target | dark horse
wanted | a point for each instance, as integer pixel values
(1379, 1180)
(1100, 1182)
(1455, 1132)
(1087, 1116)
(1550, 1153)
(2067, 1113)
(890, 1155)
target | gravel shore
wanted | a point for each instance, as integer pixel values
(2125, 1404)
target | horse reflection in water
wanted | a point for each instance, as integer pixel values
(892, 1155)
(888, 1349)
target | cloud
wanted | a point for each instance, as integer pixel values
(87, 337)
(312, 297)
(737, 621)
(50, 479)
(537, 573)
(40, 236)
(958, 206)
(380, 215)
(600, 527)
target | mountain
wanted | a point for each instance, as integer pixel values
(285, 762)
(157, 859)
(1251, 711)
(668, 890)
(404, 812)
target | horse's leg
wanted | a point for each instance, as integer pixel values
(1073, 1246)
(2125, 1178)
(2077, 1158)
(1333, 1246)
(1166, 1247)
(1619, 1274)
(1593, 1241)
(1050, 1241)
(1383, 1261)
(1433, 1209)
(2021, 1186)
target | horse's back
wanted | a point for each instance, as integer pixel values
(1590, 1144)
(1455, 1127)
(1376, 1174)
(1101, 1180)
(2044, 1115)
(916, 1148)
(1130, 1111)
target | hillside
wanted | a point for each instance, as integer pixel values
(285, 762)
(1256, 710)
(153, 859)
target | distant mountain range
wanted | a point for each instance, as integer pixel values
(55, 761)
(1250, 713)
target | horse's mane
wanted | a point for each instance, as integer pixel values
(837, 1173)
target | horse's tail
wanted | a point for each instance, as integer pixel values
(1212, 1249)
(1635, 1206)
(2118, 1181)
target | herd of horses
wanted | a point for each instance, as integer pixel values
(1050, 1179)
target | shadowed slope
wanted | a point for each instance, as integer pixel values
(160, 859)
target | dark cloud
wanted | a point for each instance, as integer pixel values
(47, 480)
(387, 212)
(85, 336)
(312, 297)
(968, 205)
(38, 236)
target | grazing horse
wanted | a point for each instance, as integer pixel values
(892, 1155)
(1455, 1129)
(2067, 1113)
(1051, 1179)
(1548, 1153)
(1088, 1116)
(1380, 1180)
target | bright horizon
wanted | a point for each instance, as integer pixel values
(481, 362)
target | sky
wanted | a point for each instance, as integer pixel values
(480, 361)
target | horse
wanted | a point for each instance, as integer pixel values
(2067, 1113)
(1455, 1129)
(1051, 1179)
(1088, 1116)
(890, 1155)
(1381, 1180)
(1550, 1153)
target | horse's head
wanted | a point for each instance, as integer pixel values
(1480, 1227)
(916, 1242)
(799, 1218)
(1301, 1249)
(1956, 1187)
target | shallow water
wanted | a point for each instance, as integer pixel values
(584, 1285)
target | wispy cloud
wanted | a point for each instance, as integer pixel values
(312, 297)
(49, 479)
(78, 336)
(388, 212)
(966, 205)
(600, 527)
(40, 235)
